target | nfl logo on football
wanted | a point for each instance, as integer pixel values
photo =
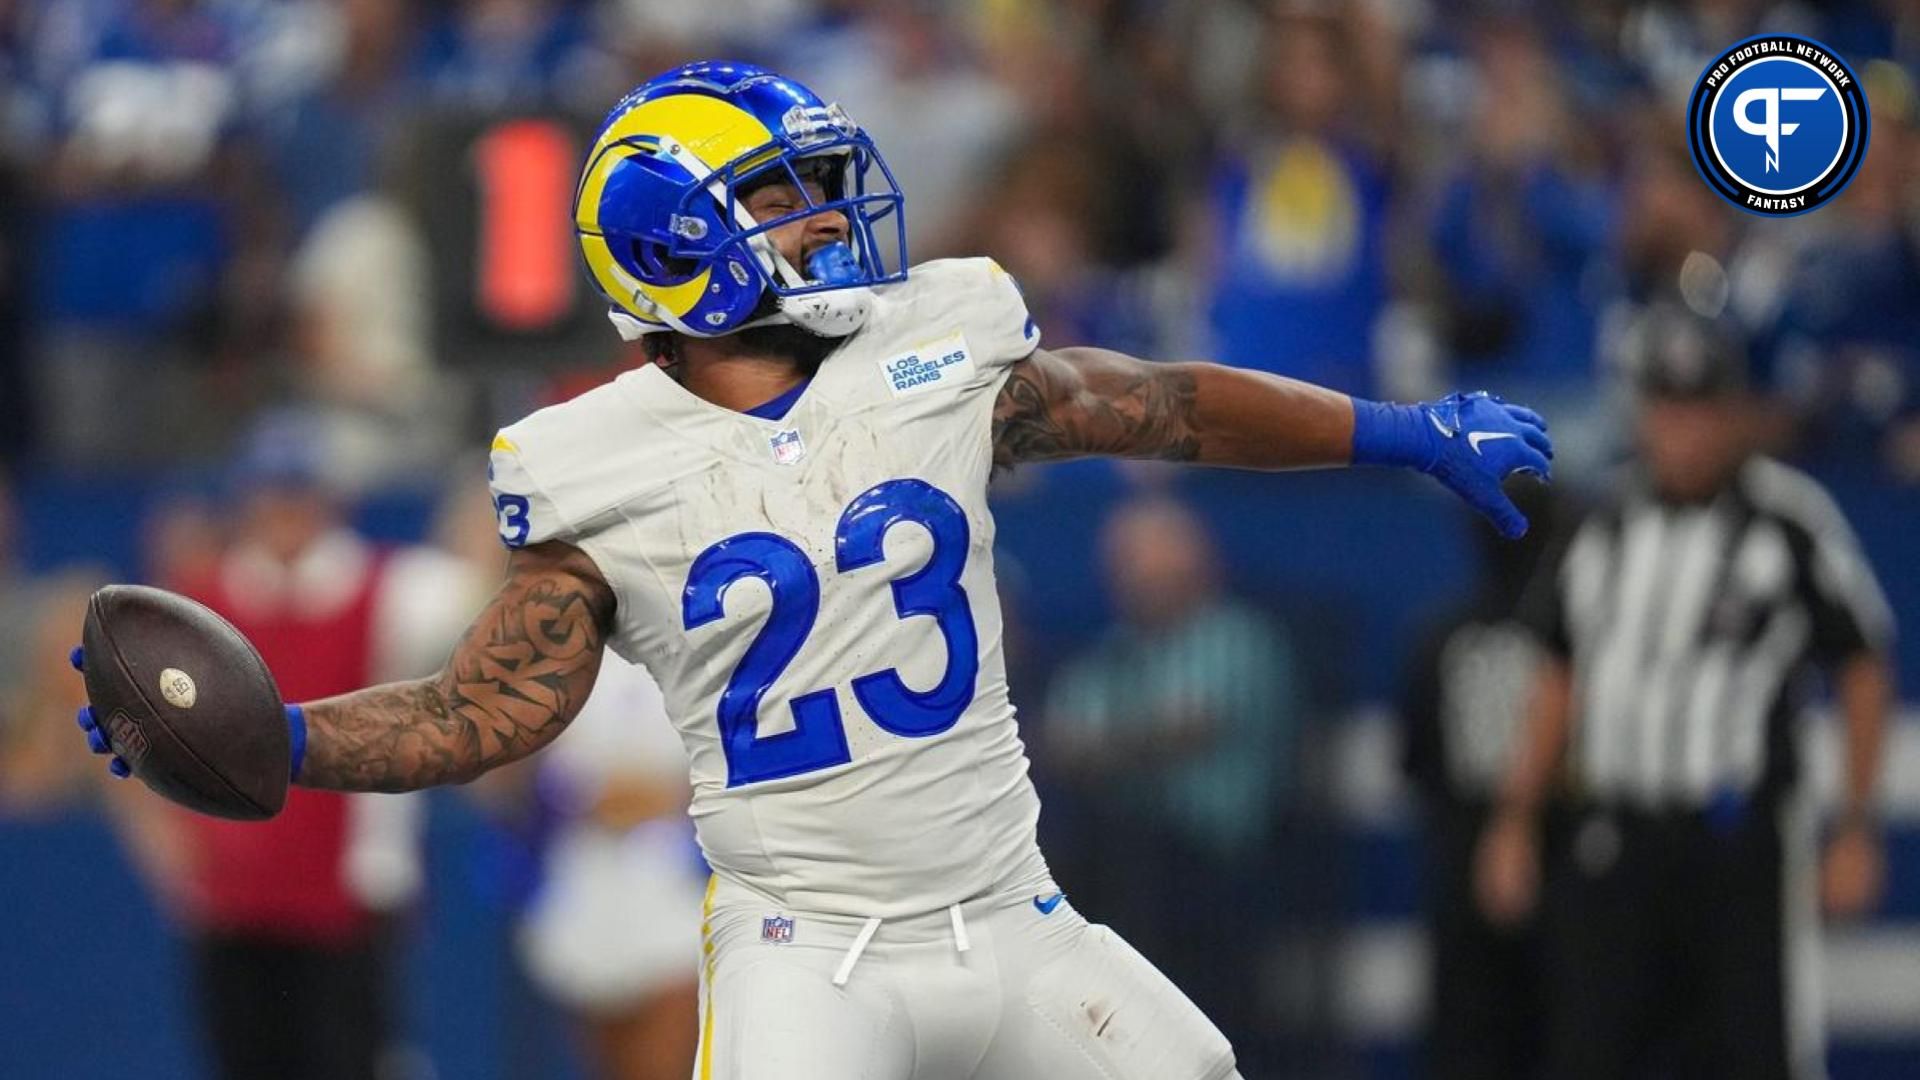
(787, 447)
(776, 930)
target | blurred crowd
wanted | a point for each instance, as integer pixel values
(349, 219)
(207, 206)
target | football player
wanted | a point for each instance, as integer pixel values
(784, 517)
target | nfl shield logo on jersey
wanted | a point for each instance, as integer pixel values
(776, 930)
(787, 447)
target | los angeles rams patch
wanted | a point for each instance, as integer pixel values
(945, 362)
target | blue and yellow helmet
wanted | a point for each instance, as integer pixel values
(666, 235)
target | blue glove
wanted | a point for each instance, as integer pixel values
(96, 738)
(98, 743)
(1469, 442)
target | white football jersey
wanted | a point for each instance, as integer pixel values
(815, 595)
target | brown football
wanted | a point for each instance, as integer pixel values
(187, 702)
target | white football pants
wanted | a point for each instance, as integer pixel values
(992, 989)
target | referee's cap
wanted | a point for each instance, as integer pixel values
(1674, 354)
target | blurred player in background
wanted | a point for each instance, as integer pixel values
(1465, 702)
(784, 517)
(1680, 628)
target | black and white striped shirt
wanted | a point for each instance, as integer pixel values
(1691, 630)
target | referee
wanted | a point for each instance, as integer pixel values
(1681, 625)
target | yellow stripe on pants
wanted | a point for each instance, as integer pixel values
(706, 982)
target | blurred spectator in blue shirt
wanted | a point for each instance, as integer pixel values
(1299, 275)
(145, 97)
(337, 110)
(15, 216)
(1847, 344)
(1522, 232)
(895, 70)
(155, 255)
(1040, 224)
(492, 56)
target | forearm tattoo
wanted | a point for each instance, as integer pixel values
(1053, 407)
(514, 681)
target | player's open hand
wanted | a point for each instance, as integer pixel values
(90, 725)
(1480, 441)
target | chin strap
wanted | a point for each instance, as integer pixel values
(831, 314)
(835, 313)
(630, 328)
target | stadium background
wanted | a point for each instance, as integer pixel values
(346, 218)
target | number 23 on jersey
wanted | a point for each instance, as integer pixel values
(818, 739)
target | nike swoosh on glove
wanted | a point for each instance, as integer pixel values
(1469, 442)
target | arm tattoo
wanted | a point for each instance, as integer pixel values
(514, 681)
(1086, 401)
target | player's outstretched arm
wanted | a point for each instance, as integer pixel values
(1080, 402)
(517, 678)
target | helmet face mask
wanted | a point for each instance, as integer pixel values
(661, 209)
(876, 230)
